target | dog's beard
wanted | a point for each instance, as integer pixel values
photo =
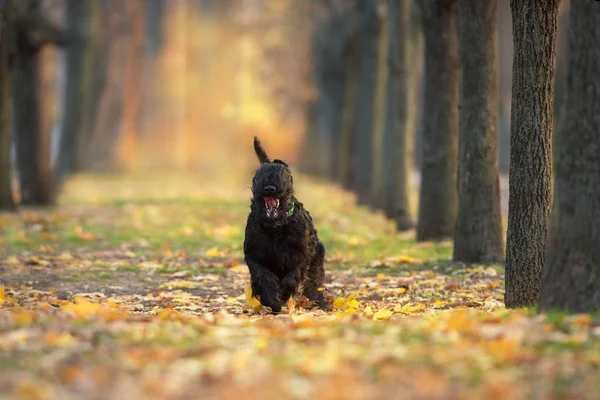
(272, 207)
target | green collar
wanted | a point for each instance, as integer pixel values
(291, 212)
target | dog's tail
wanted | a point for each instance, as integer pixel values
(260, 152)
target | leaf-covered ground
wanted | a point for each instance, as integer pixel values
(135, 289)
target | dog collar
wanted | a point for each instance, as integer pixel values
(291, 212)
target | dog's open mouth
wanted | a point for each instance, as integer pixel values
(272, 206)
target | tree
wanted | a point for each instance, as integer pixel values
(132, 88)
(438, 194)
(78, 85)
(478, 233)
(531, 125)
(329, 41)
(99, 146)
(571, 278)
(383, 87)
(405, 48)
(345, 145)
(362, 152)
(32, 31)
(6, 193)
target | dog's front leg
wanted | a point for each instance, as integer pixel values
(289, 284)
(265, 286)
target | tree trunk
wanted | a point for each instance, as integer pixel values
(505, 56)
(382, 88)
(99, 54)
(6, 193)
(155, 10)
(438, 196)
(534, 33)
(571, 276)
(362, 160)
(478, 234)
(100, 154)
(128, 145)
(78, 85)
(328, 59)
(33, 145)
(405, 57)
(345, 145)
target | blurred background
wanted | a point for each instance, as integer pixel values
(133, 86)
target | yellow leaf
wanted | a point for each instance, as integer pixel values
(382, 313)
(368, 311)
(250, 299)
(461, 321)
(65, 257)
(82, 307)
(291, 305)
(355, 241)
(347, 303)
(439, 303)
(11, 261)
(180, 284)
(213, 252)
(407, 260)
(2, 294)
(408, 308)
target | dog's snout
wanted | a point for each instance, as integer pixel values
(270, 189)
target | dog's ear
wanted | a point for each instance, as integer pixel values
(280, 162)
(260, 152)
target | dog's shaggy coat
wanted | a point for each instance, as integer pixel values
(281, 247)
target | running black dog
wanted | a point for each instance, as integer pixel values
(281, 247)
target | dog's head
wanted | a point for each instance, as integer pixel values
(272, 188)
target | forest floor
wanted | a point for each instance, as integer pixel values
(134, 288)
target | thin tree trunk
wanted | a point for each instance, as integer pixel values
(33, 145)
(362, 160)
(155, 10)
(478, 234)
(532, 113)
(505, 56)
(99, 53)
(406, 58)
(6, 193)
(438, 195)
(128, 146)
(571, 276)
(382, 88)
(77, 91)
(345, 145)
(108, 120)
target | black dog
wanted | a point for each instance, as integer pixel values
(281, 247)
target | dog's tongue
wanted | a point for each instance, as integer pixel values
(271, 203)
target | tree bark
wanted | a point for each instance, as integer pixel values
(346, 142)
(362, 160)
(571, 276)
(438, 195)
(100, 151)
(128, 145)
(99, 54)
(405, 58)
(383, 85)
(478, 233)
(505, 56)
(329, 75)
(6, 188)
(32, 32)
(78, 85)
(530, 172)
